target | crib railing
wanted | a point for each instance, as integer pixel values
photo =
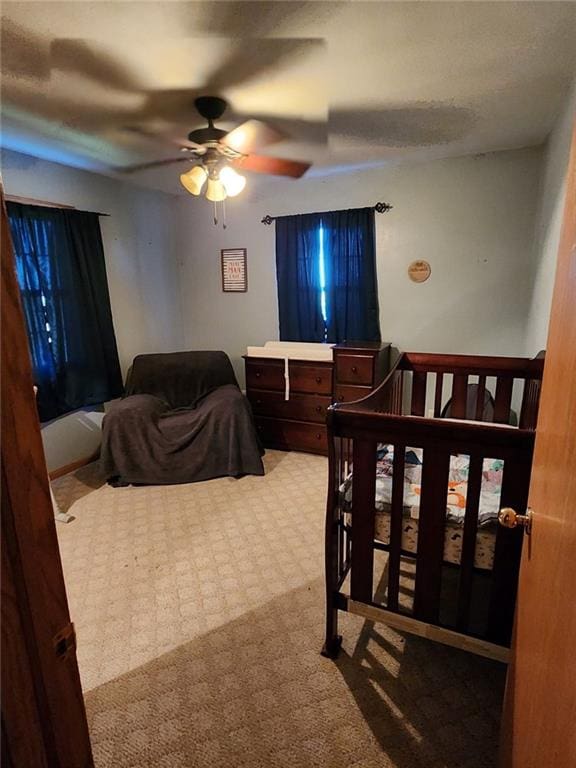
(418, 380)
(356, 429)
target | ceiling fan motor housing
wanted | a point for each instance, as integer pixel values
(210, 107)
(206, 135)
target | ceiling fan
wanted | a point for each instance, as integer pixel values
(220, 152)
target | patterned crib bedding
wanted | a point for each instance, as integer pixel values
(455, 503)
(453, 535)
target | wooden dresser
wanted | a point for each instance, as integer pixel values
(298, 424)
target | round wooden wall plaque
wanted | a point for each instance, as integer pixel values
(419, 271)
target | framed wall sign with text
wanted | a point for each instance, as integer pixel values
(234, 270)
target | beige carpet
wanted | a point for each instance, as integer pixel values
(199, 614)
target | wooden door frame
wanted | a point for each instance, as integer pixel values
(43, 715)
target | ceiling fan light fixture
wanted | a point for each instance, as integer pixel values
(233, 181)
(194, 179)
(215, 191)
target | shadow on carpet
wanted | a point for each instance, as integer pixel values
(256, 693)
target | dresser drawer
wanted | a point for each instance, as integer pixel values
(346, 393)
(354, 369)
(265, 374)
(292, 435)
(311, 378)
(300, 407)
(269, 374)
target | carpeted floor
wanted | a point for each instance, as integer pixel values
(199, 615)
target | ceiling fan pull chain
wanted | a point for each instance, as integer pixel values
(215, 215)
(223, 214)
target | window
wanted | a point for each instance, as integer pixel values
(326, 273)
(61, 272)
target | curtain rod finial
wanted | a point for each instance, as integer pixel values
(267, 220)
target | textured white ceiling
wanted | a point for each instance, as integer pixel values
(353, 84)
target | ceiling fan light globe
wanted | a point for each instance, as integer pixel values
(215, 191)
(194, 179)
(233, 182)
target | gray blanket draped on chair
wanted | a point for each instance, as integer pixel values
(183, 419)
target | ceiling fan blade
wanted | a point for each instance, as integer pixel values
(275, 166)
(240, 20)
(153, 112)
(163, 136)
(251, 59)
(23, 54)
(154, 164)
(80, 56)
(299, 130)
(251, 135)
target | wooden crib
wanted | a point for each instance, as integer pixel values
(424, 582)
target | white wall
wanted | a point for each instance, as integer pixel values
(139, 246)
(73, 437)
(471, 218)
(548, 226)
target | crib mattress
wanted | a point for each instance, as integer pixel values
(455, 503)
(485, 539)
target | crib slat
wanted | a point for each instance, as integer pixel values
(418, 393)
(438, 395)
(529, 409)
(515, 485)
(459, 392)
(396, 527)
(525, 408)
(502, 400)
(395, 387)
(340, 459)
(401, 394)
(431, 527)
(469, 542)
(349, 444)
(363, 509)
(393, 394)
(479, 416)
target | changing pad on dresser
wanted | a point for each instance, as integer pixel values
(292, 350)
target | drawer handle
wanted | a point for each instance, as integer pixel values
(318, 409)
(258, 402)
(318, 436)
(258, 374)
(318, 379)
(354, 369)
(341, 398)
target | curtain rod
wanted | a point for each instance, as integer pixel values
(379, 208)
(47, 204)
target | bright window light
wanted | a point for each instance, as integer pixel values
(322, 278)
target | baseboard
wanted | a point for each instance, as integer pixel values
(67, 468)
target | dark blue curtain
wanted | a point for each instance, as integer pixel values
(351, 287)
(62, 276)
(298, 278)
